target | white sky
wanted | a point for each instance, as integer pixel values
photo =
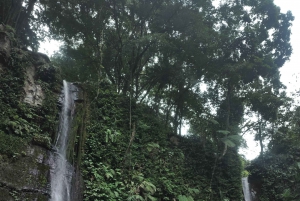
(49, 47)
(290, 72)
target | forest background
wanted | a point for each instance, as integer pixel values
(152, 57)
(289, 73)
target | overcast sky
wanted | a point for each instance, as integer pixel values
(290, 72)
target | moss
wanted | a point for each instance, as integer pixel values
(5, 195)
(10, 29)
(34, 196)
(15, 195)
(11, 145)
(27, 172)
(43, 174)
(22, 164)
(11, 33)
(41, 140)
(77, 136)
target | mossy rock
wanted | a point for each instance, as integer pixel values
(5, 195)
(28, 172)
(34, 196)
(41, 140)
(12, 195)
(11, 145)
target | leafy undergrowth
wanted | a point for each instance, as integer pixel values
(276, 174)
(276, 177)
(146, 161)
(21, 123)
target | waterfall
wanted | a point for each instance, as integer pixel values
(246, 189)
(61, 171)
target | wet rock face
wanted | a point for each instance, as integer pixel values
(24, 142)
(29, 88)
(5, 47)
(40, 68)
(37, 67)
(27, 177)
(33, 92)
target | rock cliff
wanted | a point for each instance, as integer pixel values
(29, 90)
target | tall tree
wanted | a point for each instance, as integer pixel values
(161, 51)
(18, 15)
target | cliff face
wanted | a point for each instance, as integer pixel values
(29, 90)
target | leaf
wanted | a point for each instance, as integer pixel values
(193, 191)
(224, 132)
(151, 146)
(213, 121)
(236, 138)
(108, 175)
(151, 198)
(135, 198)
(184, 198)
(149, 187)
(228, 142)
(190, 198)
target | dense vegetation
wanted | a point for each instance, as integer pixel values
(21, 123)
(27, 121)
(276, 174)
(148, 161)
(145, 65)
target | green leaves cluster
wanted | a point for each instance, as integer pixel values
(21, 123)
(159, 53)
(275, 175)
(148, 165)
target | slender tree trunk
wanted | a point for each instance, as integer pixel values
(175, 122)
(260, 138)
(228, 112)
(180, 124)
(168, 111)
(13, 13)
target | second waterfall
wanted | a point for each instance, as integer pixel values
(62, 171)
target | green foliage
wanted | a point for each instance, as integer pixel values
(276, 174)
(11, 145)
(41, 140)
(232, 140)
(277, 179)
(156, 53)
(245, 163)
(140, 163)
(17, 16)
(21, 123)
(184, 198)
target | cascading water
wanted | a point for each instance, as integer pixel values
(246, 189)
(61, 172)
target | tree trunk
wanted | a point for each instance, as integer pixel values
(260, 138)
(227, 124)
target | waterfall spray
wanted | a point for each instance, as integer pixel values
(61, 172)
(246, 189)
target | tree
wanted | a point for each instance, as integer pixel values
(18, 15)
(275, 176)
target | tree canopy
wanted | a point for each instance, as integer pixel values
(210, 64)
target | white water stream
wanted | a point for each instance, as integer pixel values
(246, 189)
(61, 171)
